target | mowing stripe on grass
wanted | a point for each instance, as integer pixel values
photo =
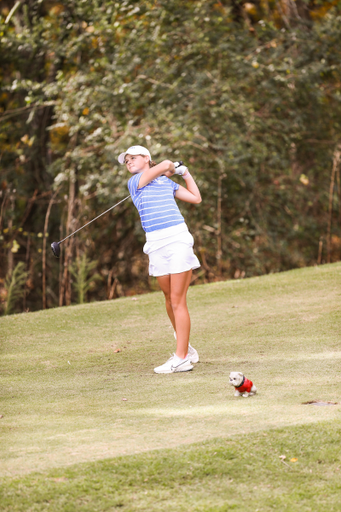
(296, 469)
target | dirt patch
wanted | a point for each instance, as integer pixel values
(319, 402)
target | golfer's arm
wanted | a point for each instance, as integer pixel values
(165, 167)
(191, 194)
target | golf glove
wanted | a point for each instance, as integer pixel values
(180, 168)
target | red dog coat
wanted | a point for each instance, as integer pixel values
(246, 385)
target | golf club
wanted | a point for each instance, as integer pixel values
(55, 246)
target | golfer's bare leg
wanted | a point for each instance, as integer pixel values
(164, 283)
(179, 284)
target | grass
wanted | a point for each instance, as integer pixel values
(218, 475)
(178, 442)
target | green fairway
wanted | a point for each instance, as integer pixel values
(257, 472)
(63, 385)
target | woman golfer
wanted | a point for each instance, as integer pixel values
(169, 244)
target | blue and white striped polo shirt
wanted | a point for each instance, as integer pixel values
(155, 202)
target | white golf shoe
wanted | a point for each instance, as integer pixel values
(175, 364)
(192, 353)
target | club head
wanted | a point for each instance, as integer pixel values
(55, 249)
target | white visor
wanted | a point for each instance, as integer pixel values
(134, 150)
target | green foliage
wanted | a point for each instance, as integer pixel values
(246, 94)
(14, 286)
(82, 283)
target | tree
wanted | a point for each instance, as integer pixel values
(246, 94)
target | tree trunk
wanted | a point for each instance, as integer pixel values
(219, 217)
(219, 251)
(10, 260)
(47, 216)
(335, 168)
(65, 295)
(27, 268)
(61, 236)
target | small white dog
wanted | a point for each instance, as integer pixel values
(243, 386)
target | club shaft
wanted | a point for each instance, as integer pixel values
(93, 220)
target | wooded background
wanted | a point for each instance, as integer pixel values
(246, 94)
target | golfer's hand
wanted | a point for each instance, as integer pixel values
(180, 168)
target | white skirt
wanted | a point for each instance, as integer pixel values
(170, 251)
